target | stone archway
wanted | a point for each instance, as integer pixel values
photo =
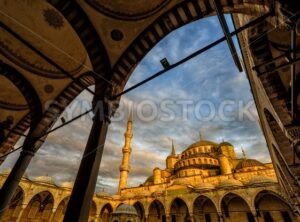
(204, 209)
(270, 207)
(93, 212)
(179, 211)
(105, 213)
(14, 210)
(156, 212)
(60, 211)
(140, 210)
(235, 209)
(39, 208)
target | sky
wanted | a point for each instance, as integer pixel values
(205, 98)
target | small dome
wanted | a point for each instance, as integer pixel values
(102, 194)
(126, 209)
(204, 186)
(230, 183)
(261, 179)
(149, 179)
(67, 185)
(128, 195)
(225, 144)
(248, 163)
(6, 171)
(44, 179)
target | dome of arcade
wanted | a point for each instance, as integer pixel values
(230, 183)
(126, 209)
(44, 179)
(261, 180)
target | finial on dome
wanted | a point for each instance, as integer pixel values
(130, 115)
(244, 153)
(200, 135)
(173, 152)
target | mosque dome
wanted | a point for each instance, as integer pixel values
(204, 186)
(201, 143)
(67, 185)
(126, 209)
(44, 179)
(248, 163)
(261, 179)
(6, 171)
(225, 144)
(149, 180)
(102, 194)
(230, 183)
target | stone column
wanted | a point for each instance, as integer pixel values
(12, 181)
(168, 217)
(84, 187)
(21, 212)
(221, 218)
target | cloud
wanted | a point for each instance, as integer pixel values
(211, 76)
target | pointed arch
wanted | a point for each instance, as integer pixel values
(179, 211)
(235, 208)
(60, 210)
(15, 206)
(140, 210)
(39, 207)
(204, 209)
(105, 212)
(156, 211)
(271, 206)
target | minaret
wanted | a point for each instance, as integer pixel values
(172, 158)
(125, 168)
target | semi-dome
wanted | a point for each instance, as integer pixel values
(204, 186)
(261, 179)
(126, 209)
(230, 183)
(44, 179)
(248, 163)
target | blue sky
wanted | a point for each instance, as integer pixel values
(211, 77)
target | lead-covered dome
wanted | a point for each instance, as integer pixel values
(261, 180)
(44, 179)
(230, 183)
(126, 209)
(202, 143)
(248, 163)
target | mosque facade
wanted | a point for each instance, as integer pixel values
(206, 182)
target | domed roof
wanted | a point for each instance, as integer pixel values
(225, 144)
(126, 209)
(261, 179)
(6, 171)
(202, 143)
(204, 186)
(248, 163)
(44, 179)
(149, 179)
(230, 183)
(102, 194)
(67, 184)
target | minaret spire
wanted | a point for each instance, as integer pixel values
(244, 153)
(173, 152)
(125, 167)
